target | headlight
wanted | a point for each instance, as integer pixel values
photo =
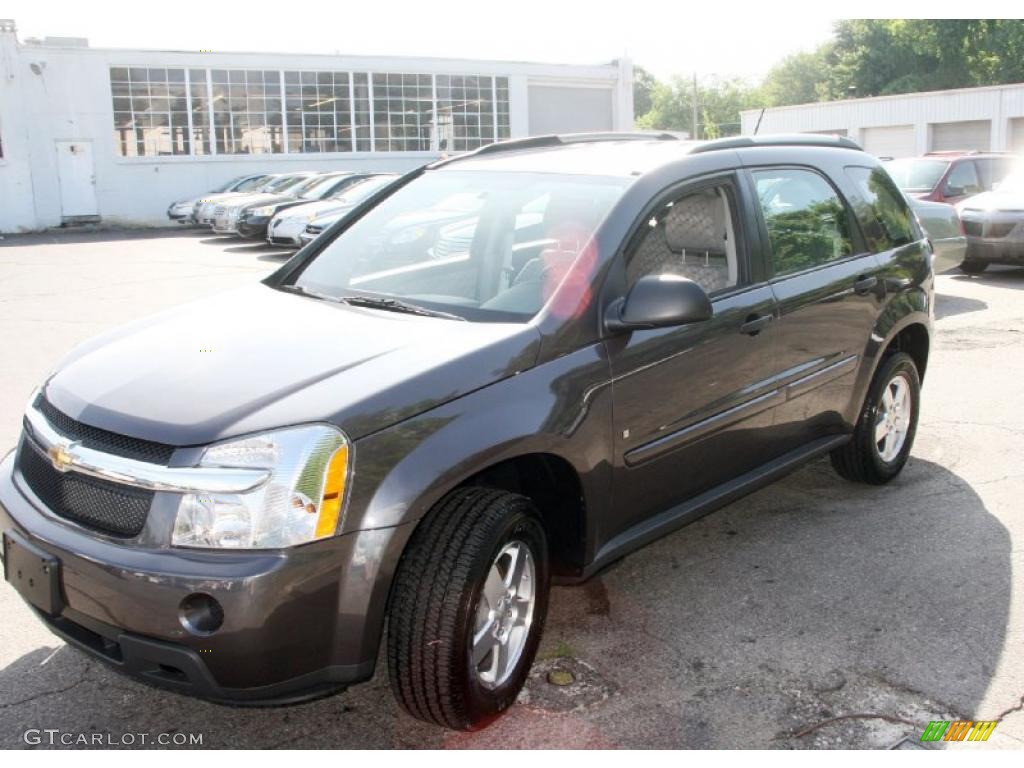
(267, 210)
(301, 501)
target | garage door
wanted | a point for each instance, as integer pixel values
(966, 134)
(569, 110)
(1017, 134)
(890, 141)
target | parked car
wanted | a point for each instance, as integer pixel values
(949, 177)
(206, 206)
(254, 219)
(227, 212)
(183, 211)
(407, 235)
(317, 225)
(941, 223)
(286, 227)
(432, 444)
(994, 223)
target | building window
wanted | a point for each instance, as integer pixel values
(150, 111)
(361, 118)
(319, 107)
(174, 111)
(199, 93)
(403, 112)
(465, 112)
(504, 124)
(246, 107)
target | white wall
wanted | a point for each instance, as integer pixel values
(70, 99)
(999, 105)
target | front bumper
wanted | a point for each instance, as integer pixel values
(298, 623)
(997, 251)
(181, 215)
(997, 237)
(286, 231)
(254, 227)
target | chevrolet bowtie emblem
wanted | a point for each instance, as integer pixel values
(61, 457)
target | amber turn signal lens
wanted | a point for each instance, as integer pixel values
(334, 493)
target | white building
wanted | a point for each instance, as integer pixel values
(983, 119)
(115, 135)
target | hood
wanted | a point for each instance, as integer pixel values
(253, 198)
(258, 358)
(317, 208)
(223, 197)
(995, 200)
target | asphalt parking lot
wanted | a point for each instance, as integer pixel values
(814, 613)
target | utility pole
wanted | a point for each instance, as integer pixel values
(695, 135)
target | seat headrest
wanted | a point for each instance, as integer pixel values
(696, 223)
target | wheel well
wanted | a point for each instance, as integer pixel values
(553, 485)
(914, 341)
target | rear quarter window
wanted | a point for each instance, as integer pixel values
(885, 217)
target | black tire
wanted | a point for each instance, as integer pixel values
(434, 603)
(860, 460)
(973, 266)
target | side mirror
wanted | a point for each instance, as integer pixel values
(659, 301)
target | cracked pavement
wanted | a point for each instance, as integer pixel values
(812, 614)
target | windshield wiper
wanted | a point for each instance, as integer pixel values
(301, 291)
(395, 305)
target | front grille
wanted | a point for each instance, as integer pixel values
(101, 439)
(99, 505)
(973, 228)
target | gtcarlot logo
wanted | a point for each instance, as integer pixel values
(54, 737)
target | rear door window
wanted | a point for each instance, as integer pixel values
(808, 223)
(885, 218)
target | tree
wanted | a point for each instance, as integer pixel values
(798, 79)
(718, 104)
(644, 84)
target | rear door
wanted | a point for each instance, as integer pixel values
(829, 290)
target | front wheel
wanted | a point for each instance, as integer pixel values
(885, 430)
(468, 608)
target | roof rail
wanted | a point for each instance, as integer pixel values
(778, 140)
(558, 140)
(965, 152)
(561, 139)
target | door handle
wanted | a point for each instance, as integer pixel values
(754, 324)
(864, 284)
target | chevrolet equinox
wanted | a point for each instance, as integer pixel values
(506, 368)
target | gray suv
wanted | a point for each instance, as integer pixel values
(608, 337)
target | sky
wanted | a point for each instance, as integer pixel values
(666, 38)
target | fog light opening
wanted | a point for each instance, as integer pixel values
(200, 614)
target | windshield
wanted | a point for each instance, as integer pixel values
(278, 183)
(1013, 183)
(482, 245)
(229, 186)
(320, 186)
(917, 174)
(362, 190)
(251, 184)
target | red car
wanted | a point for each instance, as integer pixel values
(949, 177)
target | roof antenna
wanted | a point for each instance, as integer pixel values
(759, 119)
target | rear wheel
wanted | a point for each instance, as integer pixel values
(468, 608)
(885, 431)
(973, 266)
